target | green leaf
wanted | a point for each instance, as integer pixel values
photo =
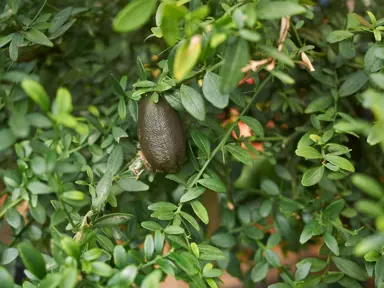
(51, 281)
(128, 275)
(150, 225)
(303, 271)
(159, 242)
(193, 102)
(134, 15)
(213, 273)
(331, 243)
(190, 220)
(239, 153)
(272, 258)
(162, 206)
(39, 213)
(101, 269)
(308, 152)
(319, 104)
(202, 141)
(149, 247)
(372, 256)
(200, 211)
(283, 173)
(13, 218)
(6, 279)
(337, 149)
(338, 35)
(213, 184)
(316, 264)
(379, 271)
(368, 185)
(131, 184)
(375, 135)
(62, 103)
(36, 92)
(192, 194)
(118, 133)
(19, 125)
(350, 268)
(122, 108)
(270, 187)
(115, 159)
(187, 55)
(179, 240)
(372, 63)
(250, 35)
(59, 19)
(278, 9)
(105, 243)
(369, 207)
(210, 253)
(312, 176)
(353, 83)
(370, 244)
(69, 278)
(140, 69)
(37, 37)
(283, 77)
(9, 255)
(279, 56)
(274, 240)
(112, 219)
(62, 29)
(253, 233)
(235, 58)
(102, 189)
(5, 40)
(334, 209)
(348, 282)
(163, 215)
(14, 48)
(93, 254)
(174, 230)
(32, 259)
(254, 124)
(223, 240)
(73, 195)
(186, 261)
(171, 16)
(8, 139)
(332, 277)
(174, 100)
(39, 188)
(211, 91)
(259, 272)
(340, 162)
(378, 79)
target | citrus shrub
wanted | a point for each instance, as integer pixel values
(282, 108)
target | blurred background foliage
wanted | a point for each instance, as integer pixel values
(283, 107)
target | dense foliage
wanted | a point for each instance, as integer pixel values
(281, 102)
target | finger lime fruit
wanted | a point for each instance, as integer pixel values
(161, 135)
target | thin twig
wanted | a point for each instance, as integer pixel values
(38, 13)
(226, 136)
(67, 213)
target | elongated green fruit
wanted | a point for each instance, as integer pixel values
(161, 135)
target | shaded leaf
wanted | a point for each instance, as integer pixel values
(134, 15)
(211, 91)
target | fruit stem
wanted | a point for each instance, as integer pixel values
(228, 133)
